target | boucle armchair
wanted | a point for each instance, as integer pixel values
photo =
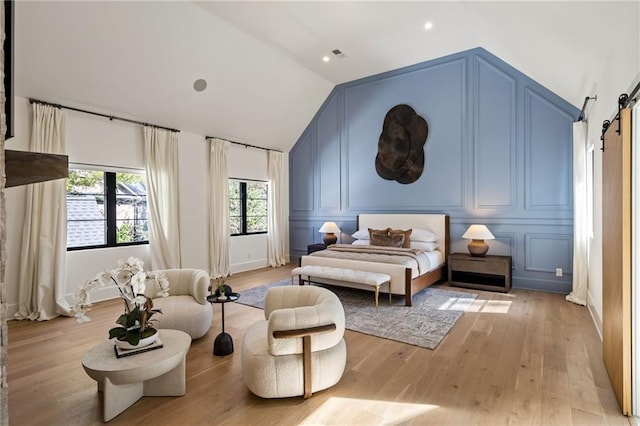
(299, 348)
(186, 308)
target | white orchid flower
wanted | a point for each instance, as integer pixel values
(140, 300)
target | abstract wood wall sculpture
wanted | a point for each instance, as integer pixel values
(401, 145)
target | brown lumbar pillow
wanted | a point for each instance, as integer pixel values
(407, 236)
(387, 240)
(378, 231)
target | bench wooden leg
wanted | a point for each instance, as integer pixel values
(377, 290)
(389, 292)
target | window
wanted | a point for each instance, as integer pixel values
(247, 207)
(106, 209)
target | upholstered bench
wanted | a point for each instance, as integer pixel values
(373, 279)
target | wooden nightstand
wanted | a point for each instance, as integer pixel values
(315, 247)
(484, 273)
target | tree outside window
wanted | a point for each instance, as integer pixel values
(105, 209)
(247, 207)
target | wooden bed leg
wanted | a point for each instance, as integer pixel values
(408, 296)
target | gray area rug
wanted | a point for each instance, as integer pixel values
(425, 324)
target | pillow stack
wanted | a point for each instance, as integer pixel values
(411, 238)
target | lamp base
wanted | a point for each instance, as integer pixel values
(478, 248)
(330, 238)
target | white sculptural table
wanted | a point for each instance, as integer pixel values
(123, 381)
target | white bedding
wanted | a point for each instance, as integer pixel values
(426, 261)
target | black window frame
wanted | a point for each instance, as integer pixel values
(110, 208)
(243, 207)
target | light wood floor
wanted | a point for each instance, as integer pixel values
(539, 363)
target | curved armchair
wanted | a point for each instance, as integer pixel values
(299, 348)
(186, 308)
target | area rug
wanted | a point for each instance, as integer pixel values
(425, 324)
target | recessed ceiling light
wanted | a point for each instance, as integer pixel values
(199, 85)
(428, 25)
(325, 59)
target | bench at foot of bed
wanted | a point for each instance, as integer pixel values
(373, 279)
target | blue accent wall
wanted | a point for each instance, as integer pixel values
(499, 152)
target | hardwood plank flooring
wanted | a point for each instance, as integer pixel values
(523, 358)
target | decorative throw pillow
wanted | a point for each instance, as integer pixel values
(424, 235)
(407, 236)
(364, 242)
(361, 234)
(387, 240)
(378, 231)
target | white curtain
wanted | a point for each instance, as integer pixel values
(218, 209)
(44, 235)
(276, 211)
(161, 158)
(578, 293)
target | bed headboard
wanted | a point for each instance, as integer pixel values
(437, 223)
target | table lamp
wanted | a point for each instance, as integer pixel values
(330, 229)
(477, 234)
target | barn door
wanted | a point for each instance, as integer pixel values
(616, 257)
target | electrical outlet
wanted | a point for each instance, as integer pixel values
(558, 272)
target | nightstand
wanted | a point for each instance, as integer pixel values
(482, 273)
(315, 247)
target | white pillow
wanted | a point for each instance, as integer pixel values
(424, 236)
(361, 234)
(361, 242)
(421, 245)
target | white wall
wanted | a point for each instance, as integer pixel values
(618, 75)
(99, 141)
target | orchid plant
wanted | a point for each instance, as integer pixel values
(130, 278)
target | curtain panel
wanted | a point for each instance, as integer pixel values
(219, 238)
(161, 159)
(578, 293)
(276, 244)
(44, 235)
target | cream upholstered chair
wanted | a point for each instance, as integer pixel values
(186, 308)
(299, 348)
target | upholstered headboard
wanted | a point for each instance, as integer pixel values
(437, 223)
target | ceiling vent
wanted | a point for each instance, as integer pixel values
(338, 53)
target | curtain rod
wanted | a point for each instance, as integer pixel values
(110, 117)
(584, 105)
(246, 145)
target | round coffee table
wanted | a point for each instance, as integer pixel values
(122, 381)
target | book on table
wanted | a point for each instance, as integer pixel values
(120, 353)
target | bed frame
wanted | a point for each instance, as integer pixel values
(401, 281)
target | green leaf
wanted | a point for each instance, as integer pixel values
(122, 320)
(148, 332)
(133, 336)
(117, 332)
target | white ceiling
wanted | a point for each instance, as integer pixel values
(263, 60)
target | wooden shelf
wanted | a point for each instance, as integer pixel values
(25, 167)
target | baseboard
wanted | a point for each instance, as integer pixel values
(597, 321)
(248, 266)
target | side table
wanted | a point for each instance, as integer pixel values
(123, 381)
(489, 272)
(315, 247)
(223, 345)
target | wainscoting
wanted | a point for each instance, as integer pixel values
(498, 152)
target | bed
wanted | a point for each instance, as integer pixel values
(407, 277)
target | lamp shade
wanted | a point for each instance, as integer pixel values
(478, 232)
(329, 227)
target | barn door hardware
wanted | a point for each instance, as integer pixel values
(605, 126)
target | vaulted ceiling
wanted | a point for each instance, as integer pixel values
(263, 60)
